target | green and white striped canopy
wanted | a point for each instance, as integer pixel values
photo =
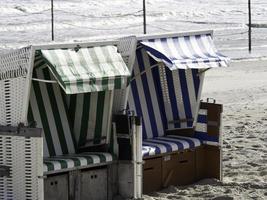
(87, 69)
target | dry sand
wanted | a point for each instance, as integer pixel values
(243, 91)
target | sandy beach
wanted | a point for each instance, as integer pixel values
(242, 89)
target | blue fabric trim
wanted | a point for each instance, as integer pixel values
(202, 119)
(186, 99)
(205, 137)
(191, 143)
(171, 90)
(179, 144)
(196, 80)
(156, 79)
(156, 53)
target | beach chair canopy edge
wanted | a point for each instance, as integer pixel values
(185, 52)
(84, 70)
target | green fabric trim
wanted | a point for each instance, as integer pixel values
(56, 111)
(85, 118)
(99, 117)
(44, 119)
(50, 166)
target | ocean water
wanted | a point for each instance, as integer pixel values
(24, 22)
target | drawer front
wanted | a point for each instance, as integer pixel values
(152, 175)
(179, 169)
(94, 184)
(56, 187)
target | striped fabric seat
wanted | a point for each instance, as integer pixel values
(71, 162)
(90, 117)
(167, 144)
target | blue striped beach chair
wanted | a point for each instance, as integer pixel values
(165, 90)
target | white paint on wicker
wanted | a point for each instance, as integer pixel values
(126, 47)
(14, 67)
(17, 153)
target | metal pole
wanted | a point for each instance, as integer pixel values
(249, 26)
(52, 19)
(144, 15)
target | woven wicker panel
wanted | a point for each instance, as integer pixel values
(14, 67)
(126, 47)
(14, 64)
(17, 153)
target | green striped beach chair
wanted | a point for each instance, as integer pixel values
(48, 108)
(67, 91)
(71, 100)
(75, 114)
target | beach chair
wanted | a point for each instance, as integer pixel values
(181, 134)
(66, 91)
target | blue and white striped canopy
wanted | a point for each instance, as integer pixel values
(185, 52)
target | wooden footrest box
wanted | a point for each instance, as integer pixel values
(178, 168)
(152, 175)
(208, 162)
(56, 187)
(94, 184)
(79, 184)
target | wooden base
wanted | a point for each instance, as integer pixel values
(152, 177)
(178, 168)
(56, 187)
(93, 183)
(208, 162)
(181, 168)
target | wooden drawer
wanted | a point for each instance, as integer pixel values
(94, 184)
(208, 162)
(178, 168)
(56, 187)
(152, 175)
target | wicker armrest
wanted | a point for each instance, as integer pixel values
(187, 132)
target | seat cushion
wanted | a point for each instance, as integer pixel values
(166, 144)
(71, 162)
